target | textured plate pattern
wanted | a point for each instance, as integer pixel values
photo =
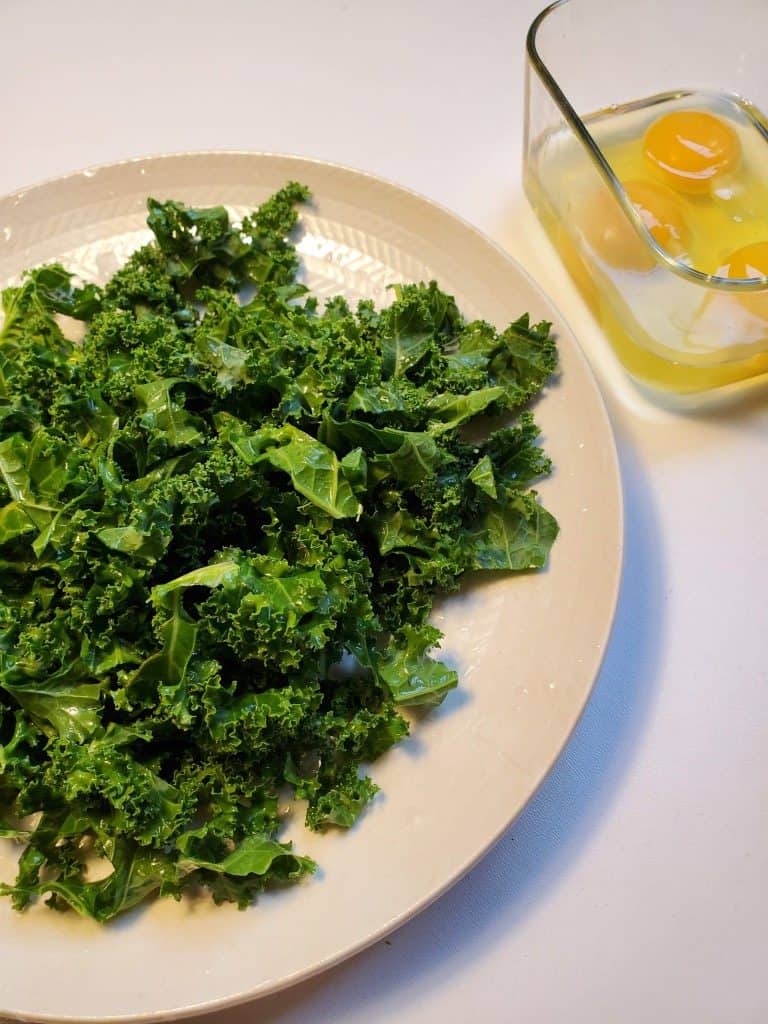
(527, 648)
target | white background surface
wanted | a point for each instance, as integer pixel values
(634, 887)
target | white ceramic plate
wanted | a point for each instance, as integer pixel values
(527, 648)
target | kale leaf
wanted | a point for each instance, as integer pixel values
(224, 518)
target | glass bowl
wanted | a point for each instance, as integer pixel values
(676, 328)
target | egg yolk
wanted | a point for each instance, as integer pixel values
(612, 237)
(690, 149)
(661, 214)
(749, 261)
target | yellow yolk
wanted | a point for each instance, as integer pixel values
(749, 261)
(661, 214)
(612, 237)
(690, 149)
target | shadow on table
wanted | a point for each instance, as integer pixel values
(535, 855)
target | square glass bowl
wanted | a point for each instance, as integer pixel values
(598, 71)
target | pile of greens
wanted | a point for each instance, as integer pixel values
(225, 516)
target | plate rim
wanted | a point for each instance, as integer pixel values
(601, 645)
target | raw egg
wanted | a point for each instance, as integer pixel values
(691, 149)
(612, 237)
(661, 214)
(749, 261)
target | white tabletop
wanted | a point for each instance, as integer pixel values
(634, 886)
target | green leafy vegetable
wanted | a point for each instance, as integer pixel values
(224, 518)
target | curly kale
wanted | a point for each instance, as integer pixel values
(224, 517)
